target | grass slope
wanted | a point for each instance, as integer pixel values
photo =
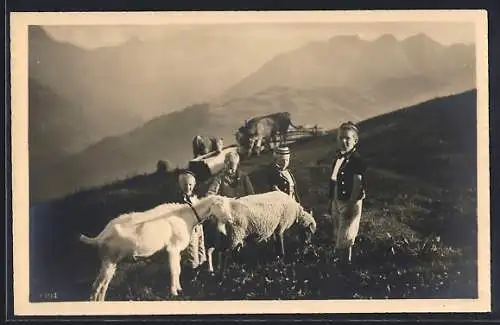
(417, 237)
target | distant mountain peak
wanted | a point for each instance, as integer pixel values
(346, 37)
(133, 40)
(343, 40)
(37, 32)
(386, 39)
(420, 38)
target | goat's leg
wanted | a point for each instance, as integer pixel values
(96, 286)
(101, 282)
(175, 271)
(98, 282)
(281, 244)
(109, 272)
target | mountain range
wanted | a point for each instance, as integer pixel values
(319, 83)
(141, 79)
(373, 67)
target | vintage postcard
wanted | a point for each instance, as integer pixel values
(250, 162)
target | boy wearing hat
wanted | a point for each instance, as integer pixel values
(196, 249)
(346, 190)
(279, 176)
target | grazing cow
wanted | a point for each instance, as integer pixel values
(203, 145)
(136, 235)
(269, 127)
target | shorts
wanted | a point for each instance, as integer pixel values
(346, 225)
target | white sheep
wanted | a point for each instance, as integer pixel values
(142, 234)
(261, 215)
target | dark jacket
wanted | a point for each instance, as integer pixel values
(353, 164)
(235, 186)
(276, 178)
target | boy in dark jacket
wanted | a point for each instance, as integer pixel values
(279, 176)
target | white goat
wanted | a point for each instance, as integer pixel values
(261, 215)
(142, 234)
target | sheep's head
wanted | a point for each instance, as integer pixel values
(220, 209)
(306, 220)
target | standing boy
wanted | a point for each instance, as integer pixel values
(279, 176)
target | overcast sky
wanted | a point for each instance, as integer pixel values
(98, 36)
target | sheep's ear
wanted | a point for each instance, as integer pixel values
(312, 227)
(222, 203)
(222, 228)
(218, 201)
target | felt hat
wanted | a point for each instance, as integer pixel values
(282, 151)
(349, 125)
(185, 172)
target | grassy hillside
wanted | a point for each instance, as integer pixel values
(417, 236)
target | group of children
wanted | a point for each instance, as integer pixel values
(347, 189)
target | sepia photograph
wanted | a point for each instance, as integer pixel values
(324, 162)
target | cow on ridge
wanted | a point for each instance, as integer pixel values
(269, 127)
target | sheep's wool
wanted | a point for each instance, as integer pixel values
(262, 214)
